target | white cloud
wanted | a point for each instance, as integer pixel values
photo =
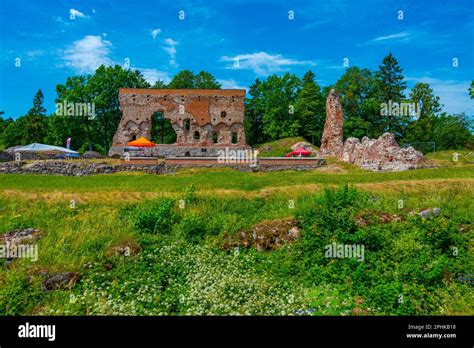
(35, 53)
(171, 50)
(453, 94)
(153, 75)
(60, 20)
(155, 32)
(87, 54)
(230, 84)
(263, 63)
(316, 23)
(76, 14)
(171, 42)
(400, 35)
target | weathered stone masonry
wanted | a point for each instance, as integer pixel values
(382, 154)
(200, 117)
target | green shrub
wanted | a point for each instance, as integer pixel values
(18, 296)
(155, 217)
(332, 217)
(190, 194)
(193, 227)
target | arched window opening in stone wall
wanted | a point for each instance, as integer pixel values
(162, 131)
(196, 135)
(187, 124)
(235, 138)
(215, 137)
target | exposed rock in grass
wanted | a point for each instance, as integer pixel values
(92, 154)
(125, 248)
(266, 235)
(60, 280)
(265, 148)
(21, 236)
(369, 217)
(429, 213)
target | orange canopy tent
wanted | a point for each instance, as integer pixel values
(141, 142)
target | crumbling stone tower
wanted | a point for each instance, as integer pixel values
(332, 140)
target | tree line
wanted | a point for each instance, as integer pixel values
(287, 106)
(277, 107)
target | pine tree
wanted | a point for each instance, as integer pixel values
(36, 122)
(310, 109)
(390, 88)
(390, 80)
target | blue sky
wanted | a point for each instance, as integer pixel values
(61, 38)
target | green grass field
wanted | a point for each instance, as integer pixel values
(410, 265)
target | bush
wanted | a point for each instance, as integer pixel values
(190, 194)
(193, 226)
(155, 217)
(332, 216)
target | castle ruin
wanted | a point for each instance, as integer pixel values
(205, 120)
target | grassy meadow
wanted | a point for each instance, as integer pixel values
(175, 226)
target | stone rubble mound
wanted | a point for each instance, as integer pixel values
(382, 154)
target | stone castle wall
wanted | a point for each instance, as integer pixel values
(199, 117)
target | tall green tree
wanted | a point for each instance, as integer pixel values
(82, 129)
(390, 88)
(183, 79)
(186, 79)
(453, 132)
(35, 121)
(428, 106)
(159, 85)
(390, 80)
(13, 134)
(101, 91)
(205, 80)
(310, 109)
(423, 95)
(4, 122)
(274, 101)
(103, 88)
(254, 110)
(357, 89)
